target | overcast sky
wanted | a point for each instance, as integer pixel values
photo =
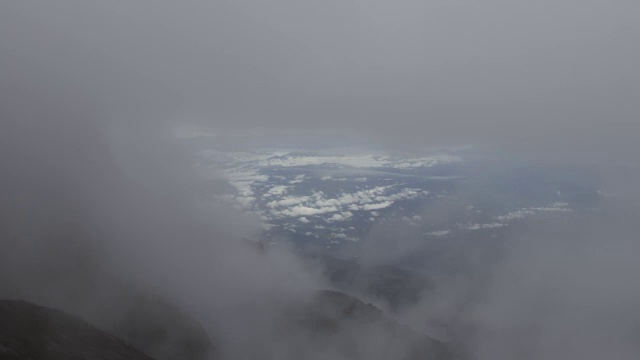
(86, 85)
(545, 74)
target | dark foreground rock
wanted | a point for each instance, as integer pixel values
(396, 287)
(32, 332)
(162, 330)
(344, 327)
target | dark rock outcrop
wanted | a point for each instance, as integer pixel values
(32, 332)
(163, 330)
(353, 329)
(396, 287)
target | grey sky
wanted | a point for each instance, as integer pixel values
(87, 86)
(558, 75)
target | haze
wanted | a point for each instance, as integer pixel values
(92, 94)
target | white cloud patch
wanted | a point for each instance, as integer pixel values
(298, 179)
(318, 202)
(301, 210)
(503, 220)
(340, 217)
(328, 202)
(440, 233)
(359, 161)
(477, 226)
(424, 161)
(530, 211)
(266, 187)
(344, 237)
(376, 206)
(277, 190)
(288, 201)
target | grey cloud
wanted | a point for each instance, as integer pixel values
(91, 90)
(509, 73)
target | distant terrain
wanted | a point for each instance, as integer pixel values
(424, 211)
(331, 323)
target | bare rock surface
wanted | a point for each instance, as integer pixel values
(32, 332)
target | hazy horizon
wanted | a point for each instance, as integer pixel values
(391, 120)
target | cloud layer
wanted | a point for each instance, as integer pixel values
(516, 75)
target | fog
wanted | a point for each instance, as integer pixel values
(559, 74)
(96, 191)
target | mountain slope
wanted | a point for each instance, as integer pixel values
(29, 331)
(340, 326)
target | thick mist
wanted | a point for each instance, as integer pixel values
(92, 208)
(96, 194)
(557, 289)
(546, 77)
